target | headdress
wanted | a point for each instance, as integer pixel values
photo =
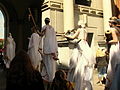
(80, 22)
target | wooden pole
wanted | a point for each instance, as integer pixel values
(32, 17)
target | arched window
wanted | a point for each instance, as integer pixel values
(1, 29)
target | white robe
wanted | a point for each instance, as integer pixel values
(116, 80)
(49, 46)
(34, 45)
(114, 59)
(81, 64)
(10, 50)
(84, 69)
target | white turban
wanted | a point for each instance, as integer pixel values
(80, 22)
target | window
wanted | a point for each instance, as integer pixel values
(89, 38)
(1, 30)
(83, 2)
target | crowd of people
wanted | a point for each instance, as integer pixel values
(33, 69)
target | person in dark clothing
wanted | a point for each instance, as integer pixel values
(21, 74)
(60, 82)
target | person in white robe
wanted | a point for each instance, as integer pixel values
(10, 50)
(114, 55)
(116, 80)
(50, 50)
(33, 49)
(82, 60)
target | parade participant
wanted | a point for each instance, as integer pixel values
(82, 60)
(33, 48)
(10, 50)
(114, 57)
(50, 50)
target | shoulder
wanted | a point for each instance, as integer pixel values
(35, 34)
(50, 26)
(44, 27)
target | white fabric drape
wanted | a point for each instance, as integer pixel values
(81, 64)
(49, 46)
(34, 44)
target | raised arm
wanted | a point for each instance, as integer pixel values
(73, 36)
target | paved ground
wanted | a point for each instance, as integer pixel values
(95, 80)
(3, 80)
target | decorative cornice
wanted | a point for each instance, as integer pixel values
(83, 9)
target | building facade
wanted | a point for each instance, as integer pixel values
(65, 14)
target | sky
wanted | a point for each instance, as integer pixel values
(1, 25)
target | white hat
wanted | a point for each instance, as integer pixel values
(80, 22)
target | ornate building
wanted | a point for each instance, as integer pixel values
(65, 14)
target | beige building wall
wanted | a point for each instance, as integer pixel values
(56, 17)
(55, 13)
(44, 15)
(97, 4)
(57, 21)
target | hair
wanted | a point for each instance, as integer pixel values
(47, 20)
(59, 82)
(21, 67)
(113, 20)
(60, 75)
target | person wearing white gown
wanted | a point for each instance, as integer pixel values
(10, 49)
(114, 55)
(33, 49)
(82, 60)
(50, 50)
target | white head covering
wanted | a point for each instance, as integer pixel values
(10, 35)
(81, 22)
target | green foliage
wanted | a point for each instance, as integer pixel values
(1, 44)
